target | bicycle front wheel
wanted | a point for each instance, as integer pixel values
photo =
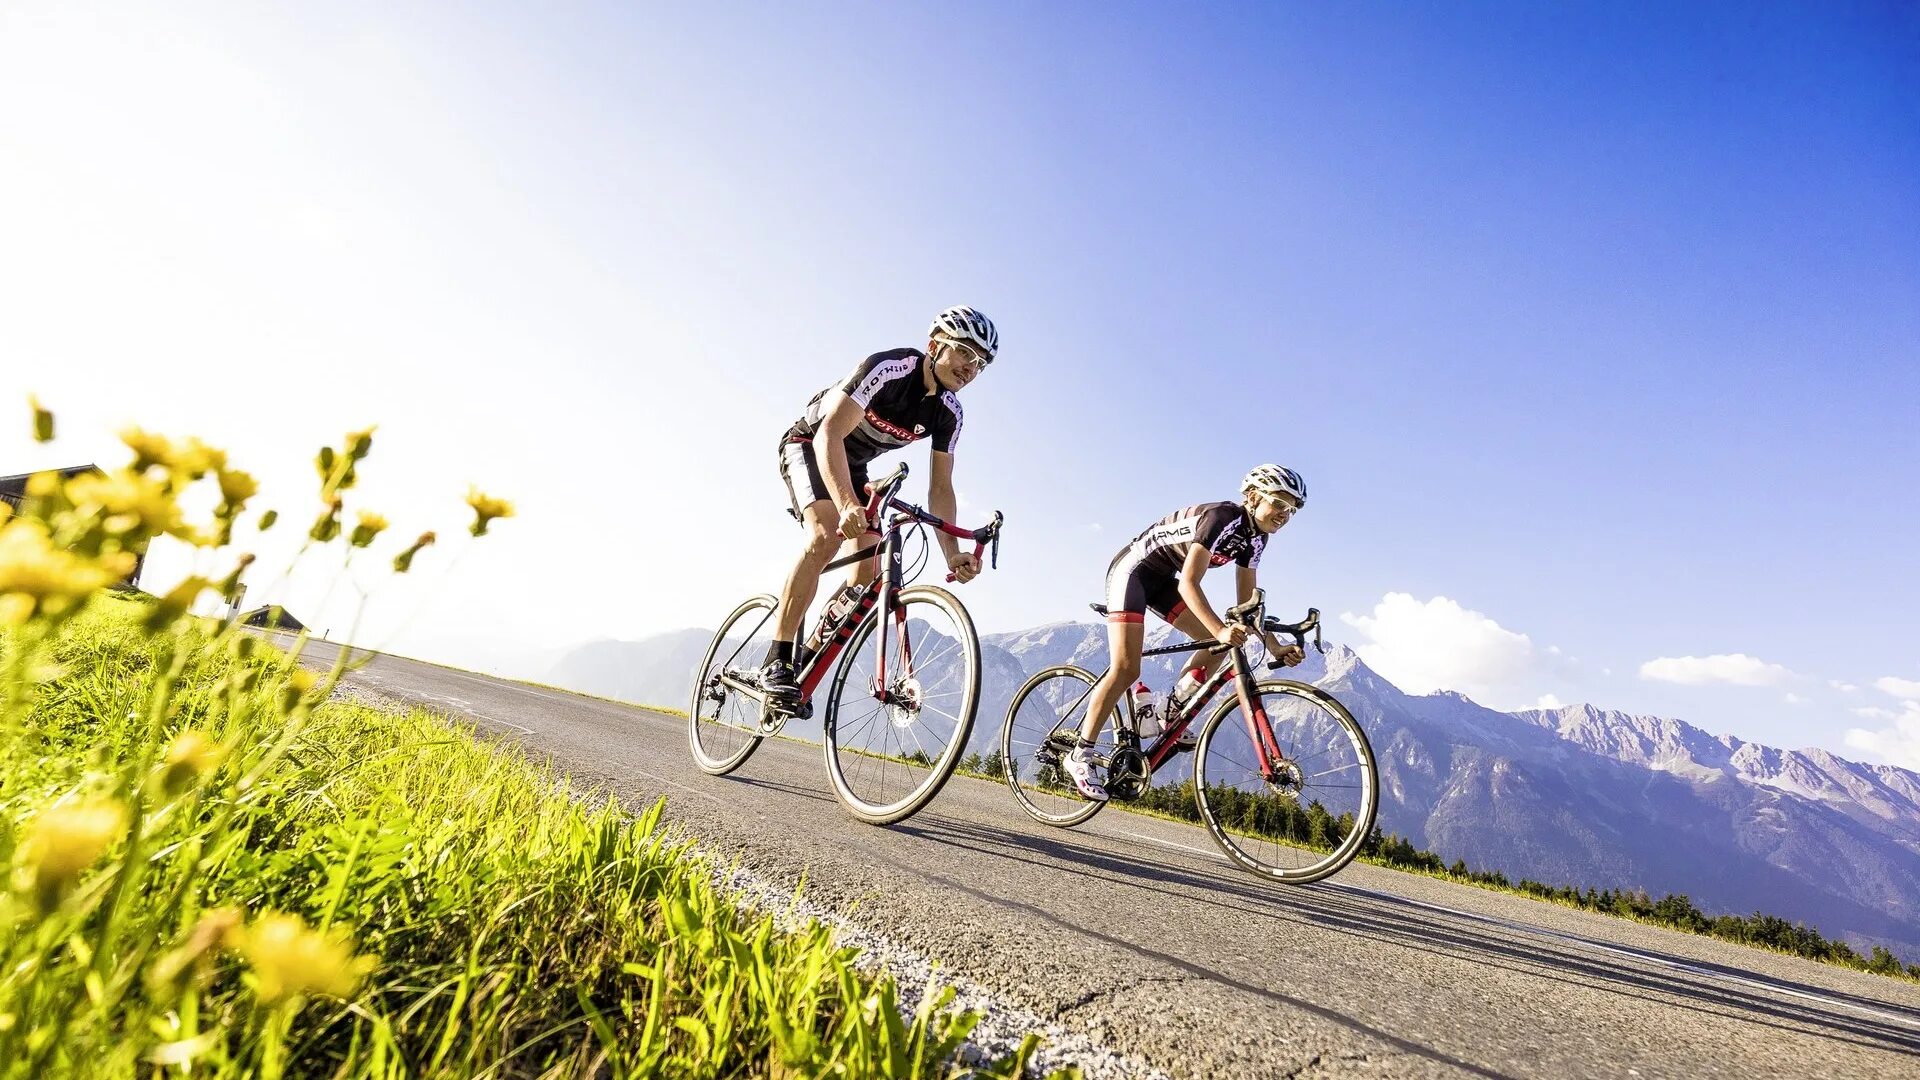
(723, 725)
(897, 719)
(1042, 724)
(1289, 793)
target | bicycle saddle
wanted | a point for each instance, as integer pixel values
(1098, 609)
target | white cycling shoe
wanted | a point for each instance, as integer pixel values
(1085, 773)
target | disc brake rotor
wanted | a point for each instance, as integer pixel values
(1286, 779)
(903, 702)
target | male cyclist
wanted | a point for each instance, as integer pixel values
(1160, 570)
(891, 399)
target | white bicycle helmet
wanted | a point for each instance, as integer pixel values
(1276, 480)
(965, 324)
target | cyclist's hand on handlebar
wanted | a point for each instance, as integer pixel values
(965, 566)
(1232, 634)
(1290, 656)
(853, 522)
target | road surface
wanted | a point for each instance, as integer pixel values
(1135, 931)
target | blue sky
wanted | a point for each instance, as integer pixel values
(1593, 325)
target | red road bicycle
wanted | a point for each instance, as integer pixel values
(897, 715)
(1283, 776)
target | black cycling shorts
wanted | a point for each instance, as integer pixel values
(1133, 589)
(801, 471)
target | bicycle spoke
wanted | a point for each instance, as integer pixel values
(1277, 819)
(723, 723)
(888, 757)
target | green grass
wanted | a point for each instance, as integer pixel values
(505, 926)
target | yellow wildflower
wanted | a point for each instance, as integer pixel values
(132, 504)
(226, 586)
(63, 842)
(485, 509)
(327, 525)
(177, 602)
(149, 449)
(208, 931)
(42, 421)
(194, 459)
(299, 681)
(404, 561)
(370, 525)
(36, 577)
(187, 460)
(236, 488)
(189, 756)
(290, 958)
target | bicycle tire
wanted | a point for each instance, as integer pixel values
(727, 752)
(1019, 744)
(1249, 824)
(850, 766)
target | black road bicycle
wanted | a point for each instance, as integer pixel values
(897, 714)
(1283, 776)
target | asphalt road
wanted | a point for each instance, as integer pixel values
(1135, 931)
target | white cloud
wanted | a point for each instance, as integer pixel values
(1904, 689)
(1875, 712)
(1843, 687)
(1439, 645)
(1896, 744)
(1795, 699)
(1738, 669)
(1548, 701)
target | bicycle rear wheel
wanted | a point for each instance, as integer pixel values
(1307, 815)
(723, 725)
(891, 746)
(1041, 726)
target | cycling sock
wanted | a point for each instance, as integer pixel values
(780, 650)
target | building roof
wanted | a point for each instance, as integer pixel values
(14, 488)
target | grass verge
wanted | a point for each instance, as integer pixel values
(216, 871)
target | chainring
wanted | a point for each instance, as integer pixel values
(1128, 774)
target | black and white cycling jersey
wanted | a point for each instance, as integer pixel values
(1145, 575)
(1223, 528)
(890, 387)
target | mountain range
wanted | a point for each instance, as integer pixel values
(1576, 795)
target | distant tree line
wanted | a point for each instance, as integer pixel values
(1285, 819)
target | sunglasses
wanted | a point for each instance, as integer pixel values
(973, 357)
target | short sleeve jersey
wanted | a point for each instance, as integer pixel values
(1223, 528)
(891, 388)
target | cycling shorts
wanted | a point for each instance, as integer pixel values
(1135, 588)
(800, 469)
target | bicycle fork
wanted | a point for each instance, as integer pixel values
(895, 613)
(1272, 759)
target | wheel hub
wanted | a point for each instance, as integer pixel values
(904, 699)
(1286, 779)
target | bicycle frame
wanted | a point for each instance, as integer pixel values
(880, 592)
(1259, 727)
